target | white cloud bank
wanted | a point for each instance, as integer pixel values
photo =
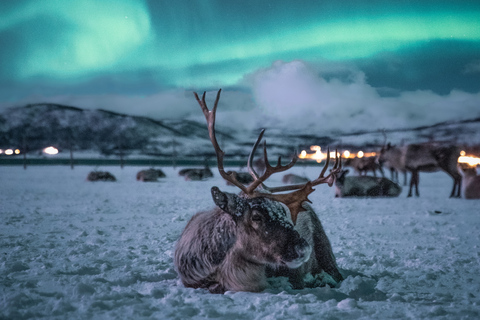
(293, 95)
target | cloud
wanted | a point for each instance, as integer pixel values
(295, 96)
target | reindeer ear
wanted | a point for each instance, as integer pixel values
(341, 175)
(229, 202)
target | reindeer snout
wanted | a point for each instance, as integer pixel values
(299, 255)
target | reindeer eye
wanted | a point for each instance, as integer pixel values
(256, 217)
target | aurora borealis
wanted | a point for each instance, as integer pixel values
(88, 52)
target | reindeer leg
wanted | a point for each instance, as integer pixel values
(459, 193)
(412, 178)
(456, 187)
(417, 181)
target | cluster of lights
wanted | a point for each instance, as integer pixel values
(470, 160)
(10, 152)
(319, 156)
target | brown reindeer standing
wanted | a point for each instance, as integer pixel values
(363, 165)
(424, 158)
(233, 246)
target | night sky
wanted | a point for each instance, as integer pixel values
(359, 64)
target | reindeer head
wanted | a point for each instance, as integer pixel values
(265, 232)
(299, 192)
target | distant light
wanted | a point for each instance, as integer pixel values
(50, 150)
(332, 154)
(1, 151)
(303, 154)
(360, 154)
(17, 151)
(462, 153)
(9, 152)
(472, 161)
(346, 154)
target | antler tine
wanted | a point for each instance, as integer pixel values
(330, 179)
(269, 169)
(251, 170)
(210, 117)
(321, 179)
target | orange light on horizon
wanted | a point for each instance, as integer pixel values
(319, 156)
(470, 160)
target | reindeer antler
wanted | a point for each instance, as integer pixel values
(293, 200)
(210, 117)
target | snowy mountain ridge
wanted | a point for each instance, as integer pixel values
(35, 126)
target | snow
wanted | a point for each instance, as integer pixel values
(76, 249)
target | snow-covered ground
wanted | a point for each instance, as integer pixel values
(72, 249)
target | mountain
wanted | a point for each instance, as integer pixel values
(36, 126)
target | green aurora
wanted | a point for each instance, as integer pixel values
(82, 49)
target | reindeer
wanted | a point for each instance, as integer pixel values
(395, 162)
(100, 176)
(470, 182)
(196, 174)
(242, 177)
(364, 164)
(233, 246)
(365, 186)
(150, 175)
(425, 158)
(291, 178)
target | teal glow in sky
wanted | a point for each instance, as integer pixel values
(87, 48)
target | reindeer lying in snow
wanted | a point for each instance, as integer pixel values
(365, 186)
(470, 182)
(150, 175)
(196, 174)
(291, 178)
(100, 176)
(233, 246)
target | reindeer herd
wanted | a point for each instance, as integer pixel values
(267, 231)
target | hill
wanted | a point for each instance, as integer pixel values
(36, 126)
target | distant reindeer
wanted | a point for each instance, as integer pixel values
(100, 176)
(364, 164)
(395, 162)
(470, 182)
(365, 186)
(291, 178)
(242, 177)
(424, 158)
(150, 175)
(233, 246)
(196, 174)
